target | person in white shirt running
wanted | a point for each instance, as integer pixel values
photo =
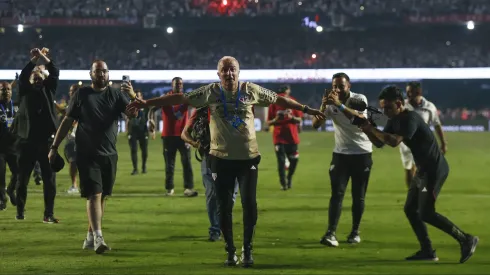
(351, 157)
(428, 111)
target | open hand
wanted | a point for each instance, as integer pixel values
(136, 105)
(314, 112)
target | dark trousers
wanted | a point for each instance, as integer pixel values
(211, 200)
(420, 206)
(342, 168)
(133, 145)
(11, 161)
(224, 173)
(289, 151)
(29, 153)
(170, 147)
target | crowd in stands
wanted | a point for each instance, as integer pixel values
(149, 49)
(199, 8)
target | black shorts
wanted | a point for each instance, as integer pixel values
(291, 150)
(97, 174)
(70, 151)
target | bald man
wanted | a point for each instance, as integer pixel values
(234, 152)
(97, 109)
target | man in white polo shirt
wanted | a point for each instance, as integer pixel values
(428, 111)
(351, 157)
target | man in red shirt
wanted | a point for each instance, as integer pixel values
(285, 137)
(174, 120)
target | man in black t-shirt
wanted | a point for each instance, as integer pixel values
(138, 133)
(7, 145)
(432, 171)
(97, 110)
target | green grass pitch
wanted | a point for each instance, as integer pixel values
(153, 234)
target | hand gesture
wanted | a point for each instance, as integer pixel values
(333, 99)
(136, 105)
(314, 112)
(127, 88)
(35, 52)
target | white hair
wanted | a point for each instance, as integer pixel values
(226, 58)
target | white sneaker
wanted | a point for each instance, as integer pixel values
(100, 246)
(354, 239)
(88, 244)
(73, 190)
(170, 192)
(190, 193)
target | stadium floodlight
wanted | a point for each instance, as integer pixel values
(313, 56)
(170, 30)
(20, 28)
(319, 28)
(470, 25)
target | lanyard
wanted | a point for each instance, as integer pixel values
(223, 99)
(11, 108)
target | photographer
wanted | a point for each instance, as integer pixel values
(234, 153)
(285, 137)
(34, 124)
(351, 157)
(7, 145)
(196, 133)
(432, 171)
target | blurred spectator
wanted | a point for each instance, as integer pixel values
(126, 48)
(199, 8)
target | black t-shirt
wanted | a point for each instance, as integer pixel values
(97, 114)
(139, 125)
(418, 136)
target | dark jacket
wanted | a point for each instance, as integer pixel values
(33, 102)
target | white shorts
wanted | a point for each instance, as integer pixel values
(407, 157)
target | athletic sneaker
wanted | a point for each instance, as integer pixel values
(247, 258)
(88, 244)
(329, 240)
(354, 238)
(468, 247)
(100, 246)
(51, 219)
(423, 256)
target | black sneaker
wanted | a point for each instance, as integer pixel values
(11, 194)
(247, 258)
(231, 259)
(3, 204)
(50, 220)
(143, 170)
(354, 238)
(468, 247)
(38, 180)
(329, 239)
(20, 217)
(423, 256)
(135, 172)
(290, 183)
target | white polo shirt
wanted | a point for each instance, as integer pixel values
(349, 139)
(427, 110)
